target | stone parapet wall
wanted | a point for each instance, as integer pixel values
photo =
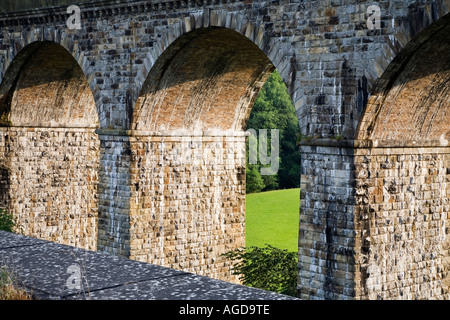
(108, 277)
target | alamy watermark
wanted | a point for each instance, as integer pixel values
(74, 21)
(74, 280)
(77, 281)
(198, 150)
(374, 19)
(258, 147)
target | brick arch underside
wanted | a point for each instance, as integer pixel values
(402, 192)
(414, 106)
(188, 151)
(49, 159)
(206, 80)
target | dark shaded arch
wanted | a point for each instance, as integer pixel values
(45, 77)
(410, 102)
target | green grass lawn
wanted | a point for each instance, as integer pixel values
(273, 218)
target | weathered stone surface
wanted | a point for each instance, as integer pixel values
(43, 268)
(327, 230)
(52, 175)
(187, 202)
(372, 107)
(114, 194)
(401, 216)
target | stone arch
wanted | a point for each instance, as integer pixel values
(48, 121)
(414, 28)
(194, 104)
(48, 66)
(188, 77)
(401, 212)
(402, 81)
(22, 46)
(278, 51)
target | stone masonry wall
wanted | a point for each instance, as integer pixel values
(402, 217)
(187, 202)
(327, 230)
(114, 194)
(381, 233)
(52, 183)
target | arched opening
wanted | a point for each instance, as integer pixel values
(50, 149)
(205, 80)
(188, 151)
(272, 200)
(402, 175)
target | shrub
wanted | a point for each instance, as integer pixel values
(267, 268)
(10, 288)
(7, 221)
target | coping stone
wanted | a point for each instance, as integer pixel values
(42, 267)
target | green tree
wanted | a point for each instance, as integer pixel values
(254, 182)
(273, 109)
(267, 268)
(7, 221)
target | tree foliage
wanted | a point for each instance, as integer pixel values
(273, 109)
(7, 221)
(267, 268)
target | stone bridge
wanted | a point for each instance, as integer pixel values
(123, 131)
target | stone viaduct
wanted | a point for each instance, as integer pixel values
(97, 123)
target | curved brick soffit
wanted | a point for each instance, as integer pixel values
(19, 60)
(208, 18)
(269, 53)
(414, 31)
